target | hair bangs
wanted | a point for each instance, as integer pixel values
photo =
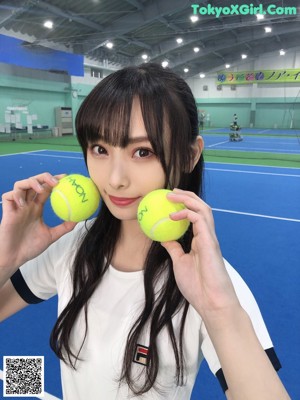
(104, 115)
(156, 124)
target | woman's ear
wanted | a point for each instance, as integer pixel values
(197, 148)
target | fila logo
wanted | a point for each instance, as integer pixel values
(141, 355)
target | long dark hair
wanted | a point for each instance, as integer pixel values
(170, 116)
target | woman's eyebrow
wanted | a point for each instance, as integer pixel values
(138, 139)
(129, 141)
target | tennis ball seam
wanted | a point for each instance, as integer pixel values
(61, 194)
(157, 224)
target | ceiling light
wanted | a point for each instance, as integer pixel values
(144, 56)
(109, 45)
(196, 49)
(202, 76)
(244, 56)
(282, 52)
(179, 40)
(260, 16)
(268, 29)
(164, 64)
(194, 18)
(48, 24)
(227, 65)
(186, 70)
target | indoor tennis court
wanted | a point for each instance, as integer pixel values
(243, 68)
(257, 216)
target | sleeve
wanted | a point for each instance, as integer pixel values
(39, 279)
(249, 304)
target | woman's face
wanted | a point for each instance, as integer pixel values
(125, 175)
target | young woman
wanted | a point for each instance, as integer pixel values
(136, 317)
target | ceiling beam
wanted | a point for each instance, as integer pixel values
(136, 4)
(9, 12)
(69, 15)
(244, 38)
(171, 25)
(129, 22)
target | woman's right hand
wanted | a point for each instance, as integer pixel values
(23, 233)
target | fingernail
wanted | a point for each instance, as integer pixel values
(54, 180)
(21, 202)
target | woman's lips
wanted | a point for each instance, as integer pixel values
(122, 201)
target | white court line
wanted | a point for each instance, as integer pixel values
(57, 156)
(63, 151)
(22, 152)
(256, 215)
(251, 165)
(261, 150)
(47, 396)
(264, 142)
(266, 130)
(250, 172)
(216, 144)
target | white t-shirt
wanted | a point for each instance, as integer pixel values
(112, 310)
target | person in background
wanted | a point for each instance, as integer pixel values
(208, 120)
(201, 120)
(235, 119)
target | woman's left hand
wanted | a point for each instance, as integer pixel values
(203, 280)
(200, 274)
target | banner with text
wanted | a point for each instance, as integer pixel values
(261, 76)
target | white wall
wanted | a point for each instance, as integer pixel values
(269, 61)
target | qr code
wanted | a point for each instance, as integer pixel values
(23, 376)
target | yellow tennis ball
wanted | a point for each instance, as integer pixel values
(75, 198)
(153, 216)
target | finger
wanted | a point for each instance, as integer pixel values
(43, 197)
(201, 219)
(197, 218)
(9, 202)
(190, 200)
(36, 182)
(30, 195)
(60, 230)
(181, 191)
(59, 176)
(178, 193)
(192, 216)
(22, 189)
(27, 189)
(174, 249)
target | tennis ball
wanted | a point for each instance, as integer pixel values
(153, 216)
(75, 198)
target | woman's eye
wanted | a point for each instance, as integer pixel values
(142, 153)
(98, 150)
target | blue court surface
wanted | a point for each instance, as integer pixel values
(275, 144)
(257, 217)
(258, 132)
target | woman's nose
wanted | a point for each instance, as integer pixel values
(119, 176)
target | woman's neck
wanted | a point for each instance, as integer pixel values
(132, 248)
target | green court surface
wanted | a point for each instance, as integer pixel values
(253, 158)
(65, 143)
